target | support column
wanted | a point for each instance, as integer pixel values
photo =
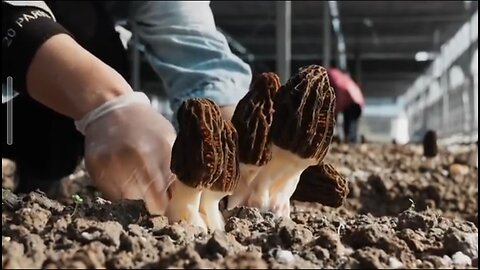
(326, 35)
(467, 122)
(284, 40)
(358, 68)
(446, 130)
(136, 58)
(475, 101)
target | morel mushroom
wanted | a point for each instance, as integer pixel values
(322, 184)
(252, 119)
(204, 160)
(301, 132)
(430, 148)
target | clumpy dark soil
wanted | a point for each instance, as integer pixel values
(401, 212)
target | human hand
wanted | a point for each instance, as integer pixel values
(227, 111)
(128, 152)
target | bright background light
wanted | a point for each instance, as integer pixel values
(421, 56)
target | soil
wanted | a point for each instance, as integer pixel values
(402, 211)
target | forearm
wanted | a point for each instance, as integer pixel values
(47, 64)
(70, 80)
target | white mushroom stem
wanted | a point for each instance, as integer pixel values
(247, 174)
(278, 175)
(281, 194)
(184, 205)
(209, 203)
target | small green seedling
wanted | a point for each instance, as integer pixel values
(77, 200)
(412, 204)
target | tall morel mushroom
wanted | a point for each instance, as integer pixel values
(205, 162)
(252, 119)
(301, 133)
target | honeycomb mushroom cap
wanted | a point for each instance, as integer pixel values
(252, 119)
(304, 118)
(229, 178)
(197, 157)
(322, 184)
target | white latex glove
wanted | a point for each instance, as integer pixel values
(127, 151)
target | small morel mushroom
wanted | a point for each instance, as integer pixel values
(205, 162)
(430, 148)
(322, 184)
(301, 132)
(363, 139)
(252, 119)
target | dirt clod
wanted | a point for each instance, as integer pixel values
(292, 234)
(35, 218)
(224, 244)
(458, 241)
(330, 241)
(87, 231)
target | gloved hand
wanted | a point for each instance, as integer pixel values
(128, 149)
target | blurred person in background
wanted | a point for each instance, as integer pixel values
(350, 102)
(70, 73)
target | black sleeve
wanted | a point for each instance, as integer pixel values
(24, 30)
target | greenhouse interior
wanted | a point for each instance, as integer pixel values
(240, 134)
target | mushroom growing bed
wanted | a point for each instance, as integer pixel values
(400, 212)
(269, 188)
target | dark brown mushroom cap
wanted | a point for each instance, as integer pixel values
(252, 119)
(304, 119)
(322, 184)
(430, 147)
(197, 157)
(228, 180)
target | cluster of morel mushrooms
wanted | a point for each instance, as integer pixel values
(278, 136)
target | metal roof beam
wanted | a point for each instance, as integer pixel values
(227, 20)
(252, 41)
(283, 39)
(364, 56)
(337, 29)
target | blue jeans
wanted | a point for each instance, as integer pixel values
(188, 53)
